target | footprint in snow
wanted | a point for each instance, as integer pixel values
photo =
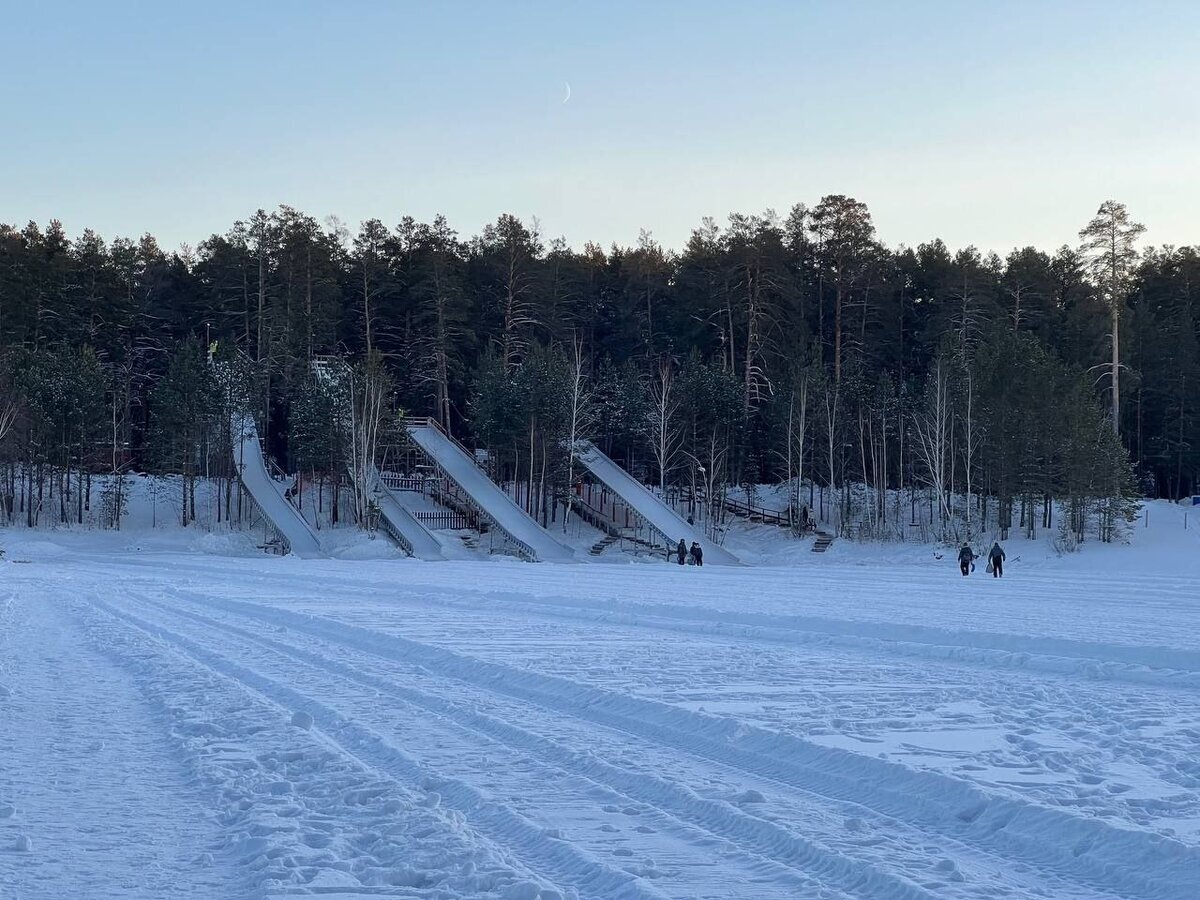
(23, 844)
(522, 890)
(749, 797)
(7, 810)
(302, 720)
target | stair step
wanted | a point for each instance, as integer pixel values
(824, 540)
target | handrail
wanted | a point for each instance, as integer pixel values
(397, 536)
(771, 516)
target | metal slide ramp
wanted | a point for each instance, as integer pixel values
(413, 537)
(533, 541)
(657, 514)
(296, 534)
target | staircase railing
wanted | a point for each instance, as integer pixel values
(769, 516)
(599, 521)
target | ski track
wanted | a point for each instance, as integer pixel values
(95, 801)
(1054, 725)
(573, 736)
(515, 766)
(1098, 855)
(881, 840)
(1161, 665)
(1064, 734)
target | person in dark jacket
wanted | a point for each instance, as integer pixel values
(681, 551)
(966, 558)
(697, 554)
(996, 558)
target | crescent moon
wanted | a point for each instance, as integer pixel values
(568, 86)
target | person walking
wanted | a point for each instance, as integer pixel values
(996, 560)
(966, 559)
(697, 554)
(681, 551)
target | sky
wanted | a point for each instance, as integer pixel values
(997, 124)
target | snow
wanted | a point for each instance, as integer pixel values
(862, 723)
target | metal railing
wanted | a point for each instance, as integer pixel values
(760, 513)
(394, 533)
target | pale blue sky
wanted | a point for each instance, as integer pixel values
(988, 123)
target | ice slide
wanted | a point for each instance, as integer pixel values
(533, 540)
(657, 514)
(252, 469)
(402, 525)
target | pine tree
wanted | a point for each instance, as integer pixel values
(1108, 245)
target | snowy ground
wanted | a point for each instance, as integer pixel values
(181, 717)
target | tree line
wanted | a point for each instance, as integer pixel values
(917, 387)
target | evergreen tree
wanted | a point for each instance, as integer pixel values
(1108, 245)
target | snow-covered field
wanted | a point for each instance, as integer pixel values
(182, 717)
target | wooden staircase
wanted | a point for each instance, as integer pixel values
(603, 544)
(823, 542)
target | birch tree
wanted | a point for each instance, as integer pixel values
(370, 423)
(933, 426)
(581, 414)
(666, 436)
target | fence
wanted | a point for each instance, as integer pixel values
(443, 519)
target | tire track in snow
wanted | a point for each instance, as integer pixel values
(544, 852)
(1136, 864)
(761, 838)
